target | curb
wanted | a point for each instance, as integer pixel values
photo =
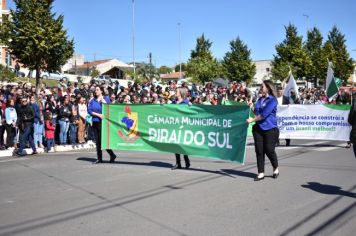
(58, 148)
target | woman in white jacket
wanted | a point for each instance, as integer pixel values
(11, 121)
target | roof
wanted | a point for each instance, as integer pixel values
(93, 63)
(173, 75)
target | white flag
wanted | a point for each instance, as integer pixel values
(290, 93)
(331, 86)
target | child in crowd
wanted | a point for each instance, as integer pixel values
(49, 127)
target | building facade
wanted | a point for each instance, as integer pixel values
(5, 57)
(263, 71)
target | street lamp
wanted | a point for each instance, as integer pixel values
(307, 16)
(180, 53)
(133, 37)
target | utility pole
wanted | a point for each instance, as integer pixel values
(180, 56)
(133, 37)
(307, 16)
(150, 61)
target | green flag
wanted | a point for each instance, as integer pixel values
(198, 130)
(331, 85)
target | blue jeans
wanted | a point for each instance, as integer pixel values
(50, 144)
(38, 133)
(64, 126)
(73, 133)
(26, 135)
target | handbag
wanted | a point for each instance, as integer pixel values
(89, 119)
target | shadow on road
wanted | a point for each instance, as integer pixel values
(157, 164)
(240, 173)
(151, 163)
(328, 189)
(334, 222)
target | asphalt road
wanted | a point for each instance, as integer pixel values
(64, 194)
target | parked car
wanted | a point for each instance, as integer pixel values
(102, 78)
(53, 75)
(20, 73)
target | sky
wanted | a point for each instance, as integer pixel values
(169, 28)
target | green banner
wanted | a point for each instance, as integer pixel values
(235, 103)
(197, 130)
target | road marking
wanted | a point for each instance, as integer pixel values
(325, 149)
(15, 159)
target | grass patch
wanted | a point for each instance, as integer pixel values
(48, 82)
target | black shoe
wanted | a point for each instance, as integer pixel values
(97, 162)
(176, 166)
(19, 154)
(258, 179)
(275, 176)
(112, 159)
(34, 153)
(187, 165)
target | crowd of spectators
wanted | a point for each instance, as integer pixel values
(59, 115)
(318, 96)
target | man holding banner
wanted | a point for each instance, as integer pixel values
(265, 131)
(181, 98)
(290, 95)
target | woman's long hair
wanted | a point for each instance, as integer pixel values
(183, 92)
(271, 88)
(102, 91)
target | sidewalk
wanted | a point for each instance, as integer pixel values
(57, 148)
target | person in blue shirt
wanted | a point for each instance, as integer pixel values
(95, 110)
(181, 98)
(265, 131)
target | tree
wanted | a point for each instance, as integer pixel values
(177, 67)
(202, 48)
(342, 62)
(314, 48)
(291, 54)
(6, 74)
(237, 63)
(165, 69)
(36, 38)
(202, 66)
(94, 73)
(145, 72)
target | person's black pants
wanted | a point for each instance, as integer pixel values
(2, 132)
(265, 144)
(10, 132)
(97, 136)
(186, 159)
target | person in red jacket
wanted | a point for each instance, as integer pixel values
(49, 131)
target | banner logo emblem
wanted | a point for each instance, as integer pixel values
(130, 121)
